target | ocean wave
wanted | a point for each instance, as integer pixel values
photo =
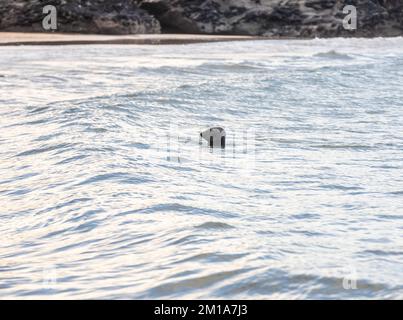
(333, 54)
(232, 66)
(94, 193)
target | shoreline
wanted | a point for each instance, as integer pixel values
(49, 39)
(39, 38)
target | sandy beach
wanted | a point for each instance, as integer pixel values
(22, 38)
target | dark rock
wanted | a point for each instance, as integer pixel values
(290, 18)
(84, 16)
(276, 18)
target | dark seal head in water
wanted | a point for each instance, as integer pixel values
(214, 136)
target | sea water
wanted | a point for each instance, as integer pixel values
(106, 191)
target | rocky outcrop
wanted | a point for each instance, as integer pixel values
(273, 18)
(84, 16)
(278, 18)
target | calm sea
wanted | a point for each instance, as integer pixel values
(105, 191)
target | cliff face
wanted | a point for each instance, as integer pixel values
(290, 18)
(276, 18)
(84, 16)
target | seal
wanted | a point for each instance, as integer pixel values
(215, 137)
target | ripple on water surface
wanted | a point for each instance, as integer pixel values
(100, 200)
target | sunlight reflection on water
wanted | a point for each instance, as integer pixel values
(97, 202)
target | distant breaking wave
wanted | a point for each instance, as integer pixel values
(333, 54)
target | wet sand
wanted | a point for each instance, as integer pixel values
(22, 38)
